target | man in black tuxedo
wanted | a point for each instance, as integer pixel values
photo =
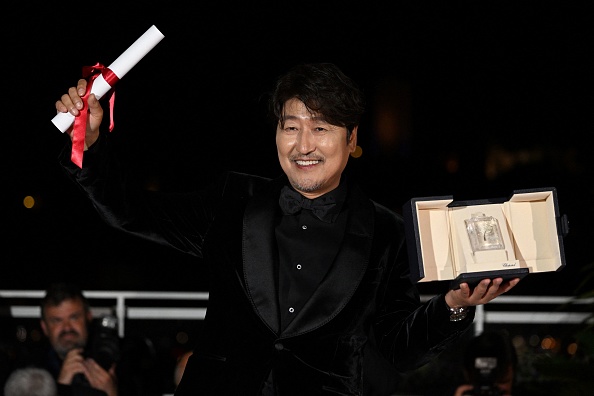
(309, 290)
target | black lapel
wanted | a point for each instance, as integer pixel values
(260, 254)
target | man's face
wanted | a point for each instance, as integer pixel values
(65, 325)
(312, 152)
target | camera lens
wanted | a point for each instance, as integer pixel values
(106, 343)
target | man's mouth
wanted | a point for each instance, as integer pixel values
(307, 163)
(70, 334)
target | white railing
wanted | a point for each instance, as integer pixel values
(489, 313)
(120, 308)
(485, 315)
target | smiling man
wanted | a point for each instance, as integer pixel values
(312, 152)
(309, 279)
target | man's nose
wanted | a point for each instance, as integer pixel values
(68, 325)
(305, 142)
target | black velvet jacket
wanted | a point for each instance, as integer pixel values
(363, 325)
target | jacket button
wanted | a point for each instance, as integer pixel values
(278, 346)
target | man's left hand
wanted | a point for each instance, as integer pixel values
(485, 291)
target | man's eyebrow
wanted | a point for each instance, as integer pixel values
(320, 118)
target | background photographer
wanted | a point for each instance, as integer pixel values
(66, 320)
(490, 362)
(85, 355)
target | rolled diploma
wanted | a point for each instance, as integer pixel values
(122, 65)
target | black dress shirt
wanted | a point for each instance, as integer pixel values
(307, 247)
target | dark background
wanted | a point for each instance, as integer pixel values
(469, 99)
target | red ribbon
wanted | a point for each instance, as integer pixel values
(80, 123)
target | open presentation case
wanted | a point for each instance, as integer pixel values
(467, 241)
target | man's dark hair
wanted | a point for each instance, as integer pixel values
(324, 89)
(56, 293)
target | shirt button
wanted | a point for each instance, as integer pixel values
(291, 310)
(298, 266)
(304, 227)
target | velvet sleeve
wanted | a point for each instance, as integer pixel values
(410, 333)
(178, 220)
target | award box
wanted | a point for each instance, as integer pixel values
(467, 241)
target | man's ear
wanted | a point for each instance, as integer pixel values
(43, 326)
(352, 142)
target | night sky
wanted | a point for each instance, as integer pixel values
(451, 88)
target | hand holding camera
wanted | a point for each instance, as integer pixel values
(104, 349)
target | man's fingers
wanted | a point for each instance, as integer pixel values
(94, 106)
(81, 87)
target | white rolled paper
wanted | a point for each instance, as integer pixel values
(122, 65)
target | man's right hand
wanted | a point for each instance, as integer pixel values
(72, 102)
(73, 364)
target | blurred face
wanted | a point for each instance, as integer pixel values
(65, 325)
(312, 152)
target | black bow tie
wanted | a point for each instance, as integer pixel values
(292, 202)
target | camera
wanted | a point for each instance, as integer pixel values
(490, 362)
(103, 347)
(483, 377)
(105, 343)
